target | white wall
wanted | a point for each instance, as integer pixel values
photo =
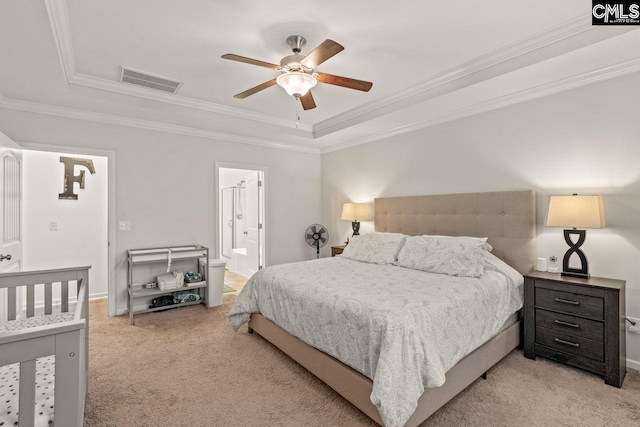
(165, 184)
(81, 238)
(584, 141)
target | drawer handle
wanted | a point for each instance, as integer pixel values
(560, 322)
(574, 344)
(566, 301)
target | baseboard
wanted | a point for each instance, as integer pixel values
(633, 364)
(101, 295)
(56, 303)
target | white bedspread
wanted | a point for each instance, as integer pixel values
(402, 328)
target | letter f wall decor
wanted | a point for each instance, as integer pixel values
(70, 177)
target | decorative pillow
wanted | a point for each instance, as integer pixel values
(455, 256)
(375, 248)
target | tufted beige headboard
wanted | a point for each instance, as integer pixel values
(507, 218)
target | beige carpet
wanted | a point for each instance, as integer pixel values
(186, 367)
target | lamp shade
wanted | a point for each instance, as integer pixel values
(296, 83)
(576, 211)
(356, 212)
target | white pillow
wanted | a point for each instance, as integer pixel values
(375, 248)
(454, 256)
(493, 263)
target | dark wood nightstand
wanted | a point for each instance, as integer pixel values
(337, 250)
(579, 322)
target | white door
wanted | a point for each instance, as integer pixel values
(254, 226)
(10, 213)
(11, 209)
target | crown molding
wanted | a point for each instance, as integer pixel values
(72, 113)
(59, 19)
(506, 59)
(477, 69)
(525, 52)
(584, 79)
(117, 87)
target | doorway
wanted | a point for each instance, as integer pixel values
(66, 226)
(241, 225)
(40, 230)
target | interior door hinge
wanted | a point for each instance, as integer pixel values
(259, 183)
(259, 226)
(259, 267)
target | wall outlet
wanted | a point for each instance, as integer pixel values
(633, 329)
(53, 226)
(124, 226)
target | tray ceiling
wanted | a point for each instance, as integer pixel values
(418, 54)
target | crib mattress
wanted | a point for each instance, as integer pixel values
(45, 377)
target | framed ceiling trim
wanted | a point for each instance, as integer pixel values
(555, 41)
(562, 85)
(518, 55)
(72, 113)
(59, 19)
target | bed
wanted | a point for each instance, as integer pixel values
(44, 354)
(365, 317)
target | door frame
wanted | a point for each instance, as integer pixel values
(265, 205)
(111, 202)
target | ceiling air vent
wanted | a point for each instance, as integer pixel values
(151, 81)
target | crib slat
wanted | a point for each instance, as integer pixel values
(68, 395)
(11, 303)
(27, 396)
(30, 300)
(48, 297)
(64, 296)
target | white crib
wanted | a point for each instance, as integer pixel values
(48, 346)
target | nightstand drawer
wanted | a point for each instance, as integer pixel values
(577, 322)
(570, 344)
(566, 302)
(576, 326)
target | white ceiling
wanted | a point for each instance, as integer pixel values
(429, 62)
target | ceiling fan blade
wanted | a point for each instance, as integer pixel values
(345, 82)
(246, 60)
(253, 90)
(307, 101)
(326, 50)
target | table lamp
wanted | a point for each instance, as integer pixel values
(356, 212)
(577, 212)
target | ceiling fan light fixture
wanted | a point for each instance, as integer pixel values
(296, 84)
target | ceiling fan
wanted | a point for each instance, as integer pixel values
(298, 74)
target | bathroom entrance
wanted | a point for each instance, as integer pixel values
(241, 218)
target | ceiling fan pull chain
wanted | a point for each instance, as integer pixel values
(298, 108)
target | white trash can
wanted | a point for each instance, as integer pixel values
(216, 280)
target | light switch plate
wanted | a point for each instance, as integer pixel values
(53, 226)
(124, 226)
